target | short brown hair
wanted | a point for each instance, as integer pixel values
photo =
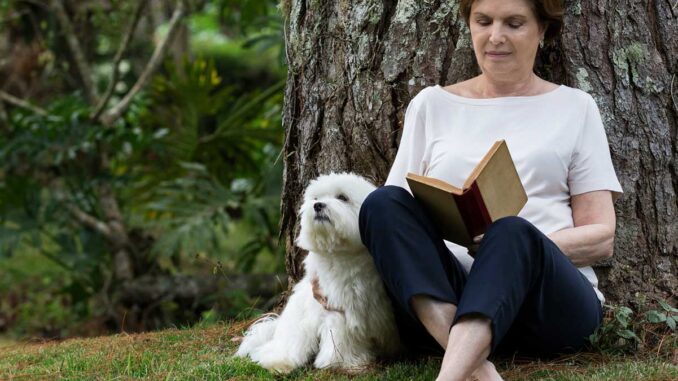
(549, 13)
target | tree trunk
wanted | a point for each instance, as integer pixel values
(355, 65)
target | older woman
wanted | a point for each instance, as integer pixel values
(530, 287)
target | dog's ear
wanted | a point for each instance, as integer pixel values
(372, 178)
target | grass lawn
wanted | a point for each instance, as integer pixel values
(203, 353)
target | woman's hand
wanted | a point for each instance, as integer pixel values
(476, 243)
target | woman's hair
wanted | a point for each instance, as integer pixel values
(549, 13)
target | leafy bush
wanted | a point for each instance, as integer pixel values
(624, 331)
(216, 166)
(39, 298)
(192, 162)
(617, 333)
(667, 315)
(50, 165)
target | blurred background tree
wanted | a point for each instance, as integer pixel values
(140, 168)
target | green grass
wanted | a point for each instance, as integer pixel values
(204, 353)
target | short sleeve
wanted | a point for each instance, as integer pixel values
(591, 167)
(410, 156)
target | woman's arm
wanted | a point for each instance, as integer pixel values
(592, 237)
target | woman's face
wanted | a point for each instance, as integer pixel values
(505, 36)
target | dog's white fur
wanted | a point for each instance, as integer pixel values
(359, 324)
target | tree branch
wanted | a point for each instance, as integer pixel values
(156, 59)
(116, 61)
(3, 114)
(11, 99)
(114, 232)
(109, 204)
(78, 55)
(90, 221)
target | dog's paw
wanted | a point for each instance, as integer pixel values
(278, 366)
(346, 362)
(274, 361)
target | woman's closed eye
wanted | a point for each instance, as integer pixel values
(515, 22)
(483, 21)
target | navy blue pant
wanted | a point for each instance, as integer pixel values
(537, 301)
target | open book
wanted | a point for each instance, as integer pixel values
(492, 191)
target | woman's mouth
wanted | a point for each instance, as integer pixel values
(497, 54)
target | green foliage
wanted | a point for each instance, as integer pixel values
(215, 165)
(191, 211)
(48, 163)
(193, 162)
(206, 122)
(616, 335)
(667, 315)
(254, 28)
(245, 16)
(248, 52)
(66, 140)
(187, 179)
(43, 315)
(188, 118)
(620, 333)
(39, 298)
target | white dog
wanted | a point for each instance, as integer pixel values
(339, 311)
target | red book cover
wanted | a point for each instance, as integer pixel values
(473, 210)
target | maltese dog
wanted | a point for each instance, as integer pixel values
(339, 311)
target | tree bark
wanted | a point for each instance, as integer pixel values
(355, 65)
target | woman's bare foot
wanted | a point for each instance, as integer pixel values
(485, 372)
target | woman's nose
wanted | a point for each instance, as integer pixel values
(497, 34)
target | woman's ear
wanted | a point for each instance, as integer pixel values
(543, 27)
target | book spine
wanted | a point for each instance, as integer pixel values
(473, 210)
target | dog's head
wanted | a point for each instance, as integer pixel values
(329, 214)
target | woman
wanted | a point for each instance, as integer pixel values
(530, 288)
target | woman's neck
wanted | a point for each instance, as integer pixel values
(487, 87)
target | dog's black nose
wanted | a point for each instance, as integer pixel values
(318, 206)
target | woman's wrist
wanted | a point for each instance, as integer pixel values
(586, 244)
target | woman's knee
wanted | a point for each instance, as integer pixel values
(512, 226)
(512, 236)
(383, 199)
(379, 209)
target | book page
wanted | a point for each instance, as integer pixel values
(500, 185)
(483, 162)
(432, 182)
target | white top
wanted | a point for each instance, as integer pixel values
(556, 140)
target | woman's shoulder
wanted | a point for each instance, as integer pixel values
(575, 92)
(426, 96)
(425, 93)
(575, 96)
(443, 93)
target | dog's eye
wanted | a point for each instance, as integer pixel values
(342, 198)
